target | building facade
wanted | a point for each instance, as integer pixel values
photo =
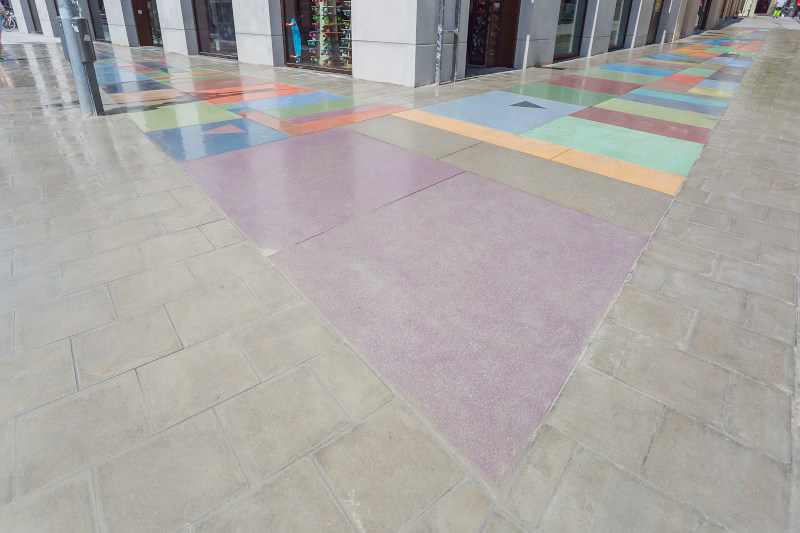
(387, 40)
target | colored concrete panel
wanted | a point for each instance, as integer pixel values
(702, 72)
(666, 56)
(588, 83)
(136, 86)
(206, 84)
(669, 155)
(675, 104)
(178, 115)
(706, 55)
(736, 71)
(686, 78)
(722, 85)
(722, 49)
(107, 73)
(482, 133)
(498, 110)
(352, 118)
(243, 94)
(662, 65)
(455, 320)
(193, 142)
(671, 85)
(721, 76)
(720, 59)
(336, 113)
(279, 195)
(683, 97)
(567, 95)
(293, 100)
(640, 70)
(706, 91)
(275, 123)
(640, 79)
(150, 98)
(740, 64)
(647, 124)
(309, 109)
(662, 113)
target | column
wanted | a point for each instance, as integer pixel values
(641, 12)
(48, 17)
(597, 28)
(536, 38)
(178, 29)
(259, 31)
(121, 25)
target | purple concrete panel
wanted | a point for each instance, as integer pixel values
(282, 194)
(473, 299)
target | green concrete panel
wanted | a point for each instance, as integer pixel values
(568, 95)
(698, 72)
(662, 113)
(178, 115)
(629, 77)
(646, 149)
(310, 109)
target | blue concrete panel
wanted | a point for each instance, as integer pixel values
(279, 102)
(640, 70)
(674, 104)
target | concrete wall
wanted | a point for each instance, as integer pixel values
(536, 37)
(259, 37)
(47, 17)
(121, 26)
(24, 16)
(597, 27)
(641, 11)
(177, 26)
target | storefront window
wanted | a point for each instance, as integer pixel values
(97, 11)
(619, 25)
(216, 33)
(317, 34)
(570, 28)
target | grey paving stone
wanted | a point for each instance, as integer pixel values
(24, 235)
(27, 195)
(225, 263)
(271, 289)
(362, 468)
(105, 195)
(692, 196)
(221, 233)
(425, 140)
(163, 182)
(262, 423)
(657, 317)
(188, 216)
(6, 462)
(175, 247)
(595, 496)
(756, 278)
(6, 334)
(786, 219)
(778, 258)
(767, 232)
(70, 315)
(354, 386)
(296, 500)
(101, 268)
(735, 486)
(45, 209)
(710, 217)
(681, 256)
(66, 506)
(748, 352)
(83, 220)
(681, 210)
(723, 242)
(707, 295)
(6, 218)
(420, 526)
(116, 348)
(735, 206)
(607, 416)
(151, 288)
(202, 315)
(537, 479)
(609, 347)
(36, 378)
(630, 206)
(500, 524)
(192, 380)
(649, 275)
(169, 480)
(772, 317)
(676, 379)
(32, 289)
(146, 205)
(772, 199)
(52, 252)
(285, 339)
(124, 233)
(761, 416)
(188, 195)
(74, 432)
(6, 264)
(464, 508)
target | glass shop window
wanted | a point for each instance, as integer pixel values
(570, 28)
(216, 33)
(317, 34)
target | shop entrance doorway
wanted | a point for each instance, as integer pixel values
(492, 33)
(702, 14)
(655, 19)
(145, 16)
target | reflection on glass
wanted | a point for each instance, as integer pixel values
(155, 24)
(619, 25)
(652, 32)
(317, 34)
(570, 28)
(215, 28)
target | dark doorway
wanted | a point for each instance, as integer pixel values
(619, 24)
(761, 7)
(702, 14)
(655, 18)
(37, 25)
(97, 13)
(569, 32)
(492, 33)
(216, 32)
(145, 16)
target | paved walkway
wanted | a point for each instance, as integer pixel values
(267, 299)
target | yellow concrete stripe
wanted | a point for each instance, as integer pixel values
(707, 91)
(649, 178)
(511, 141)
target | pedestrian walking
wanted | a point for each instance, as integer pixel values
(778, 8)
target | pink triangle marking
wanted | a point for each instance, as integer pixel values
(228, 128)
